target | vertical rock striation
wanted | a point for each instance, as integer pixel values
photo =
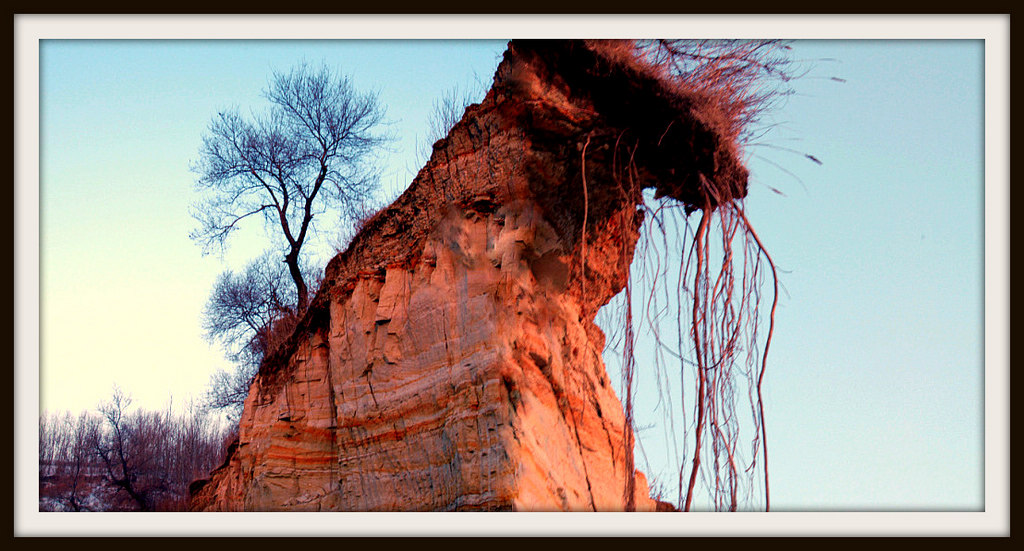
(451, 360)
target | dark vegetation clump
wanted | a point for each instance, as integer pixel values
(719, 90)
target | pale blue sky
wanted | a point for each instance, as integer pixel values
(874, 387)
(879, 365)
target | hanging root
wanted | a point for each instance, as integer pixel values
(698, 311)
(717, 350)
(723, 328)
(764, 357)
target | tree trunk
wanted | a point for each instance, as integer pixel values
(292, 260)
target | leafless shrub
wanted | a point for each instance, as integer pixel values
(244, 306)
(448, 110)
(250, 313)
(361, 214)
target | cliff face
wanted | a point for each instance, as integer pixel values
(450, 360)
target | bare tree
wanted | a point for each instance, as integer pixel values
(310, 151)
(123, 454)
(189, 446)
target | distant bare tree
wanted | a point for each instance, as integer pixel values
(310, 151)
(123, 451)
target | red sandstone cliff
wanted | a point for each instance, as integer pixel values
(451, 360)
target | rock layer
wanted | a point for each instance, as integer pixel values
(450, 360)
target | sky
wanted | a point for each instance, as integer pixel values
(880, 361)
(874, 392)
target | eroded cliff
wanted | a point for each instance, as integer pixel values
(450, 360)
